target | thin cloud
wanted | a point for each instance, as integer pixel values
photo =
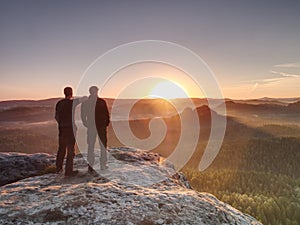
(285, 74)
(288, 65)
(253, 88)
(268, 81)
(263, 81)
(280, 76)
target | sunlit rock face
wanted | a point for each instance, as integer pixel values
(136, 189)
(15, 166)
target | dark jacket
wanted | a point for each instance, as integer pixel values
(64, 113)
(94, 112)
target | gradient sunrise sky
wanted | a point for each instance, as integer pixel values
(252, 47)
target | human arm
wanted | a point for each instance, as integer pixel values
(83, 114)
(106, 114)
(83, 99)
(77, 101)
(57, 113)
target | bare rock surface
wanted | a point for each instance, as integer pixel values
(16, 166)
(133, 190)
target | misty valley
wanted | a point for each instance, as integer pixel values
(257, 169)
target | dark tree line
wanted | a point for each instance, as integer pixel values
(261, 178)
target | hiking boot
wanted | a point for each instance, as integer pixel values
(91, 170)
(72, 174)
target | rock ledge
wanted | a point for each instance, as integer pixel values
(115, 196)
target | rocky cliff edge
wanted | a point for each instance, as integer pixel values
(136, 189)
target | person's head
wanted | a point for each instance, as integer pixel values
(68, 92)
(93, 90)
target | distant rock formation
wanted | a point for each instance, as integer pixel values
(16, 166)
(136, 189)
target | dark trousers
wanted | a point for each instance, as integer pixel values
(92, 133)
(66, 142)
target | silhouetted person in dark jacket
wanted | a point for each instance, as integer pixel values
(95, 117)
(67, 129)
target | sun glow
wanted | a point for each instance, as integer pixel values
(168, 90)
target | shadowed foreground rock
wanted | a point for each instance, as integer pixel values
(134, 190)
(16, 166)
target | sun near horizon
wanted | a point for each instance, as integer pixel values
(168, 90)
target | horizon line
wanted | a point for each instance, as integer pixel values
(112, 98)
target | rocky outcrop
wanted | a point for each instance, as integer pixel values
(136, 189)
(16, 166)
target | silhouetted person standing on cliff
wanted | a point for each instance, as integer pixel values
(67, 129)
(95, 117)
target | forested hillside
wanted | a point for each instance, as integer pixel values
(262, 178)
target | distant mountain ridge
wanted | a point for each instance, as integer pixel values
(41, 110)
(274, 108)
(28, 103)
